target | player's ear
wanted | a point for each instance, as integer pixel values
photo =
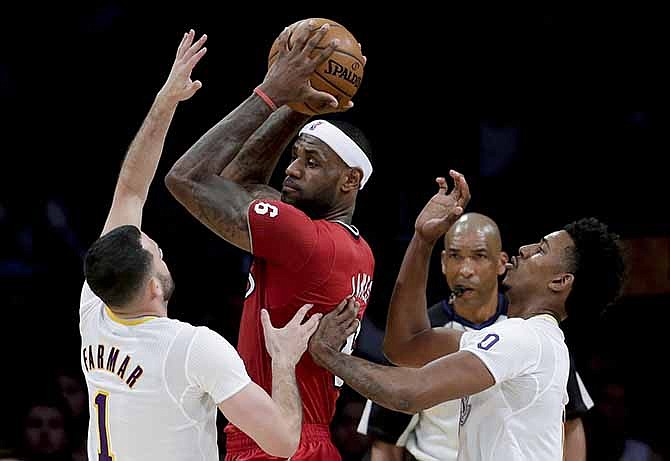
(561, 282)
(352, 179)
(501, 263)
(155, 288)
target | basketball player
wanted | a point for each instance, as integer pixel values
(305, 248)
(511, 377)
(154, 383)
(472, 261)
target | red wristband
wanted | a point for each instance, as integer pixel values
(265, 98)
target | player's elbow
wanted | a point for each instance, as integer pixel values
(397, 355)
(177, 183)
(413, 397)
(405, 402)
(183, 172)
(406, 352)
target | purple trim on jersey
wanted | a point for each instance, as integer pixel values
(453, 316)
(101, 402)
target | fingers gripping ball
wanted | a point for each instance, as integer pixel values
(341, 74)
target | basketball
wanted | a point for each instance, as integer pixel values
(341, 74)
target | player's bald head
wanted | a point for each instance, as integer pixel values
(476, 223)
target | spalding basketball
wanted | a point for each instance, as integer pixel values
(341, 74)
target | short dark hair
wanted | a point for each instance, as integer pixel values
(116, 266)
(597, 262)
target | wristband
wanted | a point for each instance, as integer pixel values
(265, 98)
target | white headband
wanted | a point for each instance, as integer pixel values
(342, 145)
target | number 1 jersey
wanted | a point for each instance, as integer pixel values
(154, 384)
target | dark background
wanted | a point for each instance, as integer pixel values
(551, 115)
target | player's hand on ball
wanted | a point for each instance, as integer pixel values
(179, 86)
(287, 344)
(287, 80)
(334, 328)
(335, 59)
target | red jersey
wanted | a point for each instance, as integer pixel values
(298, 260)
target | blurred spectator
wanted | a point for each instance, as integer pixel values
(72, 389)
(42, 431)
(610, 438)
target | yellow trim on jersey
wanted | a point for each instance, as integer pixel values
(550, 317)
(129, 322)
(97, 409)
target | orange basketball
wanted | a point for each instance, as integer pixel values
(341, 74)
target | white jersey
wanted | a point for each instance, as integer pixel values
(153, 385)
(521, 416)
(432, 434)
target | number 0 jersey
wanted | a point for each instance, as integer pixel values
(521, 416)
(153, 384)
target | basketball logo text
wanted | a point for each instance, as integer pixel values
(338, 70)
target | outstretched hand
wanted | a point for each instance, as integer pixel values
(335, 327)
(287, 81)
(443, 209)
(287, 344)
(179, 86)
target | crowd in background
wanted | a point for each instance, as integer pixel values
(530, 166)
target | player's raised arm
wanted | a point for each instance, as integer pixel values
(221, 203)
(410, 339)
(258, 158)
(139, 166)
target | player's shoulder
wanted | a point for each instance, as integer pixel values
(204, 331)
(520, 328)
(515, 332)
(209, 338)
(179, 325)
(350, 229)
(546, 327)
(530, 334)
(90, 305)
(209, 348)
(513, 323)
(273, 208)
(197, 343)
(87, 296)
(341, 231)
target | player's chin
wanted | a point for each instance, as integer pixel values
(289, 196)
